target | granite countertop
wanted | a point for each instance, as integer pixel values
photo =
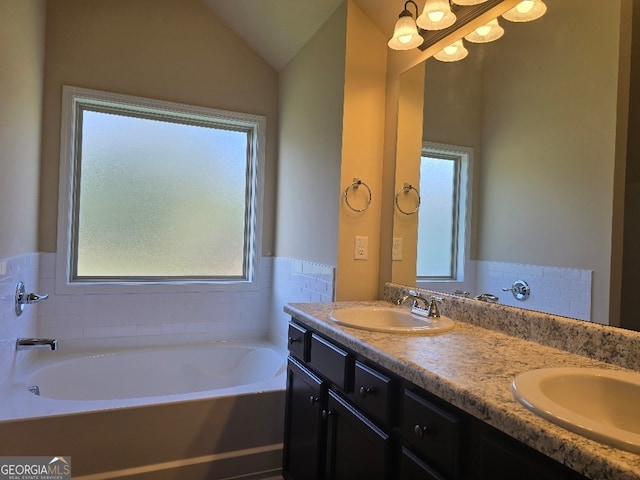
(472, 368)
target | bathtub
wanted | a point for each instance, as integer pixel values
(200, 411)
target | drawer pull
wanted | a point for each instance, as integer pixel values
(420, 430)
(293, 340)
(364, 391)
(313, 400)
(326, 414)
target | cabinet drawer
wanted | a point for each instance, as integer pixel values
(298, 340)
(432, 433)
(331, 362)
(372, 392)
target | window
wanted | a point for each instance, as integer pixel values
(157, 193)
(443, 214)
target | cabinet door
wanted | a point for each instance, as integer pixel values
(357, 449)
(412, 468)
(433, 434)
(303, 444)
(503, 457)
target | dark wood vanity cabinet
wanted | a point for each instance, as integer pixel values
(329, 433)
(347, 419)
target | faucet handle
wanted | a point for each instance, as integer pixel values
(434, 311)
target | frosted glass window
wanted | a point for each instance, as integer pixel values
(438, 217)
(159, 192)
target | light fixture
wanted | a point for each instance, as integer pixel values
(454, 52)
(437, 15)
(468, 2)
(526, 11)
(405, 34)
(486, 33)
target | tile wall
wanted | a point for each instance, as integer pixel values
(154, 318)
(184, 316)
(21, 268)
(296, 281)
(560, 291)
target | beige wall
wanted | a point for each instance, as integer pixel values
(549, 120)
(399, 62)
(362, 151)
(175, 51)
(550, 111)
(410, 126)
(21, 76)
(310, 146)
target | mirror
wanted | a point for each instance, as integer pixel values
(544, 110)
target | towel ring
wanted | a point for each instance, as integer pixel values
(406, 189)
(355, 185)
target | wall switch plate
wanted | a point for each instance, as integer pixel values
(396, 250)
(361, 249)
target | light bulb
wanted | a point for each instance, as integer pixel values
(484, 30)
(451, 49)
(405, 34)
(526, 11)
(436, 16)
(525, 6)
(452, 53)
(486, 33)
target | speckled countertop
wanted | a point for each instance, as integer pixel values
(473, 366)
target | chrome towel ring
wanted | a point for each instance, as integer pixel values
(355, 185)
(406, 190)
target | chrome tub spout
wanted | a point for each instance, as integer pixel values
(35, 343)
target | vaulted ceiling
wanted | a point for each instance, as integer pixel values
(277, 29)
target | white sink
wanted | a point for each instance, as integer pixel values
(392, 320)
(597, 403)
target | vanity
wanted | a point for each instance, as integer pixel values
(369, 404)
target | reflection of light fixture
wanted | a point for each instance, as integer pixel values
(486, 33)
(454, 52)
(437, 15)
(526, 11)
(468, 2)
(405, 34)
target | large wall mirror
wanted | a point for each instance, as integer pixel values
(544, 111)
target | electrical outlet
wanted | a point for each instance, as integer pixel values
(396, 250)
(361, 250)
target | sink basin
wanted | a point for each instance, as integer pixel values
(392, 320)
(597, 403)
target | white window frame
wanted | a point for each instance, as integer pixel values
(465, 274)
(73, 98)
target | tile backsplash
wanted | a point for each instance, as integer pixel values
(297, 281)
(556, 290)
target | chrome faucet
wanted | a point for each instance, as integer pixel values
(35, 343)
(428, 309)
(22, 298)
(487, 297)
(416, 300)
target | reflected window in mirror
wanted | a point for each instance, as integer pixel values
(444, 213)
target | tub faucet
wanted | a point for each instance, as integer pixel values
(33, 343)
(487, 297)
(23, 298)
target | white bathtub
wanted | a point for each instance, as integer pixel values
(210, 410)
